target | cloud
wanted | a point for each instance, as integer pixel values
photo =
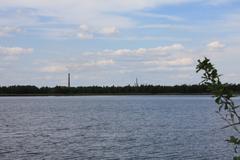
(180, 62)
(98, 63)
(161, 50)
(84, 28)
(165, 63)
(75, 66)
(219, 2)
(86, 32)
(124, 61)
(159, 16)
(230, 22)
(85, 36)
(101, 18)
(144, 22)
(169, 57)
(167, 26)
(94, 13)
(100, 6)
(109, 30)
(14, 51)
(215, 45)
(54, 69)
(7, 30)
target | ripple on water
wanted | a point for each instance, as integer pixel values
(119, 127)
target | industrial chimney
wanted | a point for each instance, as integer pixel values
(69, 80)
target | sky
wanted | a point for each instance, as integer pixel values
(113, 42)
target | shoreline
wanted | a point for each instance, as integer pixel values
(116, 94)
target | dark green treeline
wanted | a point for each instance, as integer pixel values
(124, 90)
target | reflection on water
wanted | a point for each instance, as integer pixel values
(111, 127)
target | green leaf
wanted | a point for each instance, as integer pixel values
(236, 158)
(234, 140)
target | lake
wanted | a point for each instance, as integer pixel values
(112, 127)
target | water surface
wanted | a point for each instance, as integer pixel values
(112, 127)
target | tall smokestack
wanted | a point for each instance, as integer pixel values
(69, 80)
(136, 83)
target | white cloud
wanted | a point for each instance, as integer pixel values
(14, 51)
(167, 26)
(215, 45)
(87, 32)
(125, 60)
(108, 5)
(104, 62)
(100, 17)
(6, 30)
(74, 66)
(185, 61)
(95, 13)
(97, 63)
(109, 30)
(160, 16)
(84, 28)
(54, 69)
(180, 62)
(84, 32)
(219, 2)
(161, 50)
(230, 22)
(85, 36)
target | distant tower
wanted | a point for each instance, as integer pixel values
(69, 80)
(136, 83)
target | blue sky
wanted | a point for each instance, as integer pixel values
(112, 42)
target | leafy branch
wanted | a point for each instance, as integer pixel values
(223, 98)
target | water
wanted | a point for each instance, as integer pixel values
(111, 127)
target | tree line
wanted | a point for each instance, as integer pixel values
(142, 89)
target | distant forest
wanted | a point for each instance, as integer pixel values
(110, 90)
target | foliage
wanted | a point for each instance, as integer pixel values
(142, 89)
(124, 90)
(223, 97)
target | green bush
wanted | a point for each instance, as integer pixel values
(223, 98)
